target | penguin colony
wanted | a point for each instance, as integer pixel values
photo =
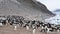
(22, 22)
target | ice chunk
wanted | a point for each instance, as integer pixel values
(53, 20)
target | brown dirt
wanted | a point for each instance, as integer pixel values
(9, 30)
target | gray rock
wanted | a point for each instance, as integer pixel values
(23, 8)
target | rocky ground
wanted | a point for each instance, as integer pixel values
(24, 8)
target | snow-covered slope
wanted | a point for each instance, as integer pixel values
(51, 5)
(54, 7)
